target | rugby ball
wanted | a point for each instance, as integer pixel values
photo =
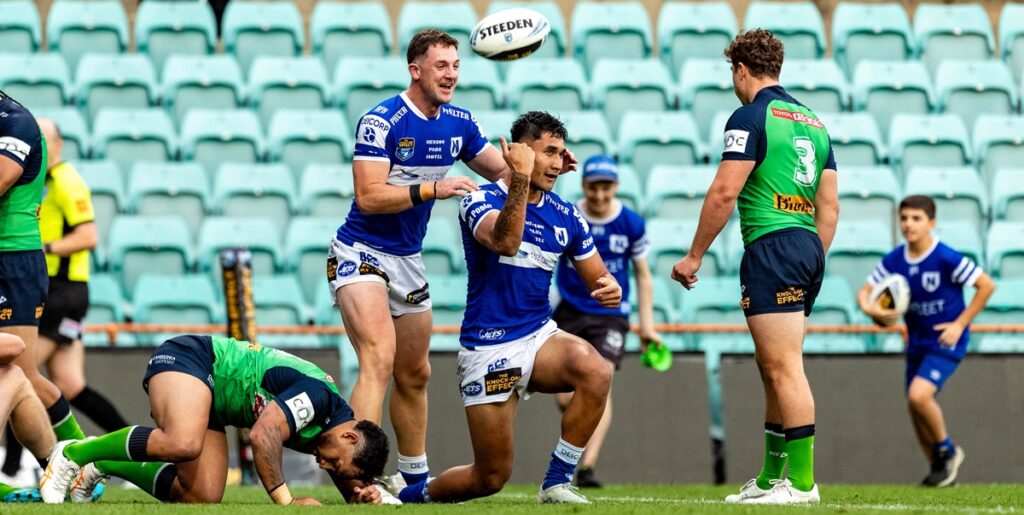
(892, 292)
(509, 34)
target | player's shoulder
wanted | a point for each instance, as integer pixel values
(947, 252)
(385, 114)
(630, 216)
(488, 193)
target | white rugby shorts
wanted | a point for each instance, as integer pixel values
(490, 375)
(403, 276)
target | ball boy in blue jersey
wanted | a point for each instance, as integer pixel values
(938, 325)
(514, 233)
(620, 238)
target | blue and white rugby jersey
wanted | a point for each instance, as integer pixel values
(619, 239)
(508, 296)
(419, 150)
(937, 280)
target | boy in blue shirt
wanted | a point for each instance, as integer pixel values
(938, 325)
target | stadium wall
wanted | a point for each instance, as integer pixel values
(660, 432)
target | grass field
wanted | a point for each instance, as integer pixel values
(617, 499)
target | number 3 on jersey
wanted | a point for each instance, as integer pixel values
(807, 165)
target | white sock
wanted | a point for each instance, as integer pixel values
(413, 464)
(568, 452)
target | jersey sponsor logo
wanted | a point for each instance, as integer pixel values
(347, 268)
(935, 374)
(794, 204)
(7, 314)
(561, 235)
(491, 334)
(162, 359)
(455, 113)
(253, 346)
(930, 281)
(380, 110)
(927, 309)
(406, 148)
(472, 389)
(332, 268)
(618, 243)
(613, 339)
(497, 365)
(789, 296)
(368, 269)
(15, 146)
(398, 115)
(368, 258)
(807, 161)
(736, 141)
(798, 117)
(329, 378)
(373, 131)
(418, 296)
(68, 328)
(502, 381)
(745, 303)
(302, 410)
(3, 299)
(259, 403)
(456, 146)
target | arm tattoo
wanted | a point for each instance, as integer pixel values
(514, 209)
(268, 458)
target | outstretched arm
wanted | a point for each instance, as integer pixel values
(375, 195)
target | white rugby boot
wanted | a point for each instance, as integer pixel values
(60, 472)
(783, 492)
(563, 493)
(749, 491)
(83, 488)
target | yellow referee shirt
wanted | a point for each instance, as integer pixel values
(67, 202)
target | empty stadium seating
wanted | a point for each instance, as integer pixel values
(555, 85)
(648, 139)
(694, 30)
(205, 82)
(326, 189)
(871, 31)
(163, 29)
(676, 192)
(20, 30)
(145, 245)
(306, 242)
(362, 82)
(37, 80)
(972, 88)
(164, 189)
(998, 143)
(456, 17)
(621, 85)
(245, 191)
(299, 138)
(855, 137)
(705, 88)
(253, 29)
(797, 24)
(126, 136)
(212, 137)
(118, 81)
(610, 30)
(287, 83)
(950, 32)
(340, 29)
(75, 28)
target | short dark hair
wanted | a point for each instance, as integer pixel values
(922, 202)
(533, 123)
(426, 38)
(372, 455)
(759, 50)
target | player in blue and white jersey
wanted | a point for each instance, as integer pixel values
(514, 233)
(620, 238)
(938, 325)
(404, 148)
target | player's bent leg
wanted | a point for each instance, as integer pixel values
(367, 316)
(202, 480)
(25, 412)
(409, 406)
(67, 368)
(61, 419)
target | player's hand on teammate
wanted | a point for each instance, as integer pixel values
(365, 495)
(884, 317)
(685, 271)
(569, 162)
(518, 156)
(454, 186)
(305, 501)
(608, 293)
(951, 332)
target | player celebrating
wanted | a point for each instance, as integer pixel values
(788, 207)
(404, 148)
(197, 385)
(619, 237)
(514, 233)
(938, 325)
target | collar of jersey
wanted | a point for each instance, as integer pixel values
(415, 110)
(616, 211)
(504, 188)
(906, 253)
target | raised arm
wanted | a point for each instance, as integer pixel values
(502, 232)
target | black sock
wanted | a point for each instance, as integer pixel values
(12, 461)
(99, 409)
(164, 481)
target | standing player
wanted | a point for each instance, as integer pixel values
(938, 325)
(197, 385)
(620, 238)
(404, 148)
(788, 207)
(20, 405)
(514, 234)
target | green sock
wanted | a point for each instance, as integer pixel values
(6, 489)
(63, 421)
(774, 455)
(111, 446)
(141, 474)
(800, 447)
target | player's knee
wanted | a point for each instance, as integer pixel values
(376, 365)
(919, 397)
(12, 379)
(491, 481)
(10, 347)
(415, 377)
(182, 449)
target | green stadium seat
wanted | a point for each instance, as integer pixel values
(163, 29)
(129, 135)
(715, 300)
(869, 194)
(732, 243)
(72, 127)
(835, 303)
(362, 82)
(649, 139)
(688, 30)
(855, 137)
(621, 85)
(255, 190)
(300, 137)
(554, 85)
(216, 136)
(186, 299)
(140, 245)
(557, 41)
(164, 189)
(619, 30)
(75, 28)
(631, 191)
(670, 241)
(326, 189)
(307, 241)
(797, 24)
(664, 300)
(928, 140)
(958, 192)
(963, 236)
(716, 137)
(203, 82)
(252, 29)
(106, 306)
(856, 250)
(886, 88)
(1005, 306)
(818, 83)
(1005, 249)
(705, 89)
(998, 143)
(287, 83)
(120, 81)
(35, 80)
(480, 87)
(448, 296)
(20, 27)
(257, 233)
(457, 18)
(349, 29)
(677, 192)
(1008, 194)
(588, 134)
(952, 32)
(278, 299)
(1011, 37)
(496, 123)
(442, 249)
(972, 88)
(878, 32)
(106, 184)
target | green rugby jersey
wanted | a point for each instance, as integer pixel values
(248, 376)
(790, 148)
(21, 141)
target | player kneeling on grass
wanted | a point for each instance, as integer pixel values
(197, 385)
(514, 232)
(938, 325)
